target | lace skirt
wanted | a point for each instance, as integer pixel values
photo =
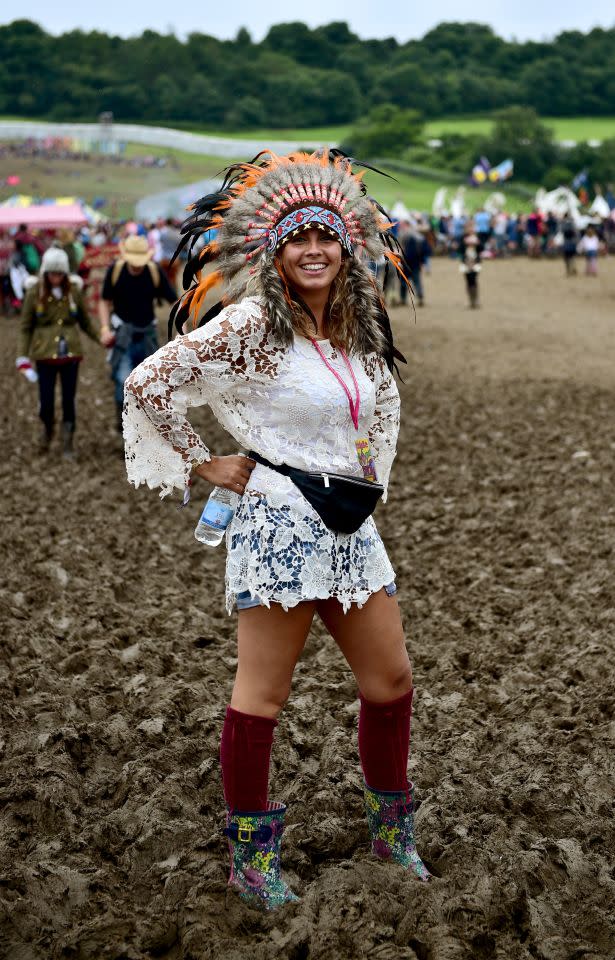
(282, 555)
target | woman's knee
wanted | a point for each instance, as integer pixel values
(387, 685)
(259, 701)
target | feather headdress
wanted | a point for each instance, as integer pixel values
(262, 204)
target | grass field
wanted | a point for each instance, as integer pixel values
(564, 128)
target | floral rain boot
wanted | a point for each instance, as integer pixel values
(254, 843)
(390, 816)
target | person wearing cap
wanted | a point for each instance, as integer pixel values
(126, 310)
(53, 312)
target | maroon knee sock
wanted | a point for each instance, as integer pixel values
(245, 749)
(384, 740)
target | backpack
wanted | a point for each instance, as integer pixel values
(119, 265)
(31, 257)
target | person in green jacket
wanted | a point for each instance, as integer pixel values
(53, 313)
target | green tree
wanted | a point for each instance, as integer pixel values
(409, 87)
(204, 101)
(387, 131)
(550, 87)
(557, 176)
(302, 44)
(246, 113)
(519, 134)
(304, 97)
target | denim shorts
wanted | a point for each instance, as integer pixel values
(245, 600)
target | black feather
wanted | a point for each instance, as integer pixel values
(335, 152)
(180, 313)
(196, 263)
(180, 246)
(212, 313)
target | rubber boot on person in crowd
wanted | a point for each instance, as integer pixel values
(68, 431)
(119, 409)
(45, 438)
(254, 843)
(390, 817)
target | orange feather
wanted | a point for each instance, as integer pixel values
(201, 291)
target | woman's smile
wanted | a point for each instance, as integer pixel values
(314, 267)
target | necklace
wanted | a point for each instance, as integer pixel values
(353, 403)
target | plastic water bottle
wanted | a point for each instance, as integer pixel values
(217, 514)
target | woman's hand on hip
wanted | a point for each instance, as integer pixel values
(231, 472)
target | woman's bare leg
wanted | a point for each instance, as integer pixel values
(372, 641)
(269, 643)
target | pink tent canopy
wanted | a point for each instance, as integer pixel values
(46, 216)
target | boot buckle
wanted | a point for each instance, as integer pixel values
(244, 834)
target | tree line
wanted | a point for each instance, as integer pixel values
(299, 77)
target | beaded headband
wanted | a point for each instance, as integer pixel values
(307, 218)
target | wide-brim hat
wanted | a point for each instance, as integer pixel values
(135, 251)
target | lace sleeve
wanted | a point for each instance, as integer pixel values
(385, 426)
(161, 446)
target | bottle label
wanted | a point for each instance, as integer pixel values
(217, 515)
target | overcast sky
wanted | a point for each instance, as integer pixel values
(523, 19)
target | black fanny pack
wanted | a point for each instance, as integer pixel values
(342, 503)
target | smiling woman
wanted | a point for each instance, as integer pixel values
(300, 374)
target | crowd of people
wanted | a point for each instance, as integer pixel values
(22, 249)
(511, 234)
(119, 272)
(472, 238)
(67, 148)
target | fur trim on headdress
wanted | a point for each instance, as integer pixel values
(250, 215)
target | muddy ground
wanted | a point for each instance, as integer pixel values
(118, 657)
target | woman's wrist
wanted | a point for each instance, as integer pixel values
(202, 469)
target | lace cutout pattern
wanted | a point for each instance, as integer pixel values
(279, 555)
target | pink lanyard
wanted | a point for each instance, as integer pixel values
(353, 404)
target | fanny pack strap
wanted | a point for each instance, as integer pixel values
(278, 467)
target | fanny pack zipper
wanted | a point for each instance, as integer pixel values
(339, 476)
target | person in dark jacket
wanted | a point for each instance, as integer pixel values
(53, 313)
(416, 252)
(126, 310)
(570, 236)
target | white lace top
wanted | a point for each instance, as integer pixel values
(284, 404)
